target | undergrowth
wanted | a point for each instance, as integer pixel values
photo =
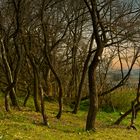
(27, 125)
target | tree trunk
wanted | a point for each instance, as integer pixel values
(78, 99)
(10, 89)
(60, 98)
(7, 106)
(118, 121)
(45, 118)
(36, 81)
(93, 98)
(13, 98)
(27, 96)
(36, 89)
(93, 95)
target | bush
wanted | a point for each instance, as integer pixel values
(119, 100)
(84, 105)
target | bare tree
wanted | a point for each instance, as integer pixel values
(106, 34)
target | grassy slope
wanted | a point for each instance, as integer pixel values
(26, 125)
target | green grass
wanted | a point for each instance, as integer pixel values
(122, 98)
(27, 125)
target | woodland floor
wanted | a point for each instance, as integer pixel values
(27, 125)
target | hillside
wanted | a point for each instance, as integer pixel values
(27, 125)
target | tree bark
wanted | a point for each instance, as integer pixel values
(93, 97)
(118, 121)
(93, 94)
(78, 99)
(60, 97)
(10, 89)
(27, 96)
(36, 89)
(45, 118)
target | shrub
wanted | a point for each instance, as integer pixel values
(119, 100)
